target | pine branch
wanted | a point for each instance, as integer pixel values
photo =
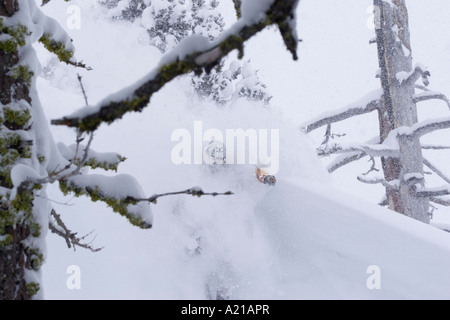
(172, 66)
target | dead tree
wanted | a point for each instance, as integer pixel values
(398, 144)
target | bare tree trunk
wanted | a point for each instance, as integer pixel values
(398, 108)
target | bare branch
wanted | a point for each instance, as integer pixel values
(436, 170)
(82, 89)
(434, 192)
(327, 135)
(70, 237)
(422, 128)
(197, 192)
(391, 185)
(421, 87)
(79, 64)
(365, 105)
(442, 202)
(372, 167)
(435, 147)
(376, 150)
(431, 95)
(85, 156)
(344, 160)
(384, 201)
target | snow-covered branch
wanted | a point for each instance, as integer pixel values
(54, 38)
(442, 202)
(106, 160)
(367, 104)
(345, 159)
(393, 185)
(422, 128)
(431, 95)
(434, 192)
(196, 54)
(372, 150)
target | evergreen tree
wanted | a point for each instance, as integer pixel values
(29, 159)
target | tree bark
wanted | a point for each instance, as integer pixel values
(398, 107)
(15, 255)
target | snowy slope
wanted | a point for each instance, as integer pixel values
(300, 239)
(324, 247)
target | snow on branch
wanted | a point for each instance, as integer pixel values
(434, 192)
(434, 147)
(372, 150)
(391, 185)
(422, 128)
(54, 38)
(442, 202)
(345, 159)
(106, 160)
(114, 191)
(122, 194)
(366, 104)
(408, 79)
(194, 53)
(431, 95)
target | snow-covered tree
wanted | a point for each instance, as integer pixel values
(398, 143)
(194, 55)
(240, 80)
(30, 159)
(169, 21)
